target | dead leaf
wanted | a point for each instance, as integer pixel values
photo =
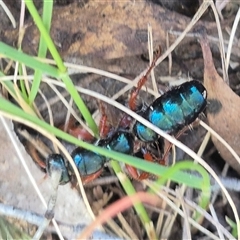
(223, 110)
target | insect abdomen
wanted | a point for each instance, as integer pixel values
(173, 110)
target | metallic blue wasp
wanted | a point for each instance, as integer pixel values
(170, 112)
(88, 163)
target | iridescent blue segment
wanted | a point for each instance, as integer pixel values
(194, 98)
(87, 162)
(120, 141)
(173, 110)
(186, 108)
(158, 118)
(55, 162)
(143, 133)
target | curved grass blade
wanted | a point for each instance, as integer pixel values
(139, 208)
(42, 50)
(205, 185)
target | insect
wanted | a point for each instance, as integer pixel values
(170, 112)
(89, 163)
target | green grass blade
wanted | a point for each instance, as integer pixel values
(42, 50)
(44, 33)
(9, 86)
(29, 61)
(233, 225)
(56, 56)
(53, 72)
(130, 190)
(80, 104)
(22, 85)
(205, 185)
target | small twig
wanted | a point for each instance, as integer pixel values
(213, 212)
(56, 173)
(39, 145)
(9, 14)
(233, 32)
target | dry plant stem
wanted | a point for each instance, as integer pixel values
(40, 146)
(130, 83)
(55, 179)
(213, 212)
(233, 32)
(180, 212)
(19, 77)
(204, 144)
(160, 220)
(68, 115)
(199, 153)
(186, 228)
(223, 174)
(102, 181)
(50, 114)
(126, 226)
(169, 56)
(151, 57)
(120, 205)
(9, 14)
(193, 205)
(47, 104)
(117, 230)
(85, 69)
(69, 107)
(183, 188)
(150, 44)
(22, 16)
(38, 112)
(208, 217)
(168, 225)
(224, 63)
